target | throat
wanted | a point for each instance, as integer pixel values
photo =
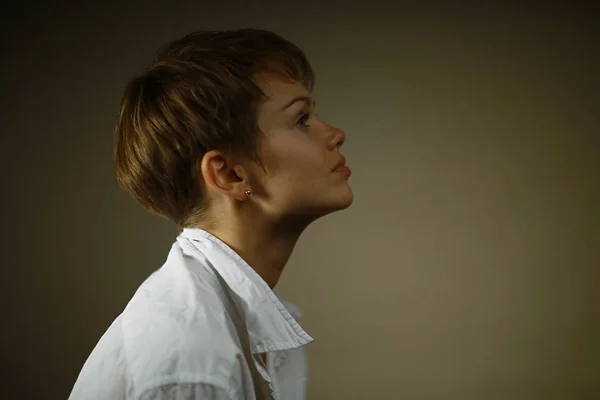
(266, 252)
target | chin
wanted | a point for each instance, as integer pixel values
(340, 202)
(313, 210)
(347, 200)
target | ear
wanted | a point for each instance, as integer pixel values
(222, 175)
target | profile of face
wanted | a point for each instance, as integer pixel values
(302, 175)
(304, 171)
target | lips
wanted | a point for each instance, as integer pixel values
(341, 163)
(342, 168)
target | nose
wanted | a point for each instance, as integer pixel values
(337, 137)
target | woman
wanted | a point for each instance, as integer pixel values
(219, 135)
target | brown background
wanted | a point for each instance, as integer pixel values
(469, 265)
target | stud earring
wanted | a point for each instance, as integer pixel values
(248, 193)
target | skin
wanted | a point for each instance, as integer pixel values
(298, 184)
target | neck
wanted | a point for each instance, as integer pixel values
(266, 247)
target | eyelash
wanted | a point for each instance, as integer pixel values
(302, 120)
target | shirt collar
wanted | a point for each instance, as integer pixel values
(271, 325)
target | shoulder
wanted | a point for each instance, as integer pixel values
(178, 330)
(104, 374)
(175, 330)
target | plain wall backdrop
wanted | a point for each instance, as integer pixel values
(468, 266)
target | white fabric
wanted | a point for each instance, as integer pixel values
(195, 330)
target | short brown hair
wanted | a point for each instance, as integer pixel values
(198, 94)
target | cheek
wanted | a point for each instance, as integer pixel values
(304, 154)
(294, 161)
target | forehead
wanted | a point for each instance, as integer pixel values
(280, 90)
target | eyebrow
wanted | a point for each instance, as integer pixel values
(306, 99)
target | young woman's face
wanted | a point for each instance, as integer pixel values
(305, 172)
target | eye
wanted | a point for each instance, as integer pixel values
(303, 120)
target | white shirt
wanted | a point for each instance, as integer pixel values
(195, 329)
